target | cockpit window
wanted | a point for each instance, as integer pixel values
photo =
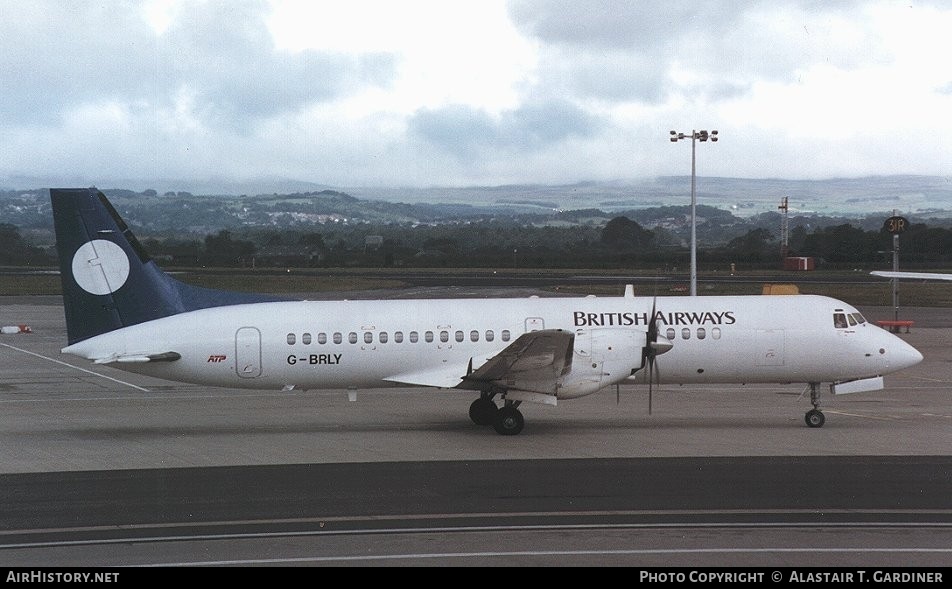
(859, 318)
(839, 320)
(852, 319)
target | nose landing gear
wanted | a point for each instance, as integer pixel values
(815, 417)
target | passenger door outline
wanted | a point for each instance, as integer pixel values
(248, 352)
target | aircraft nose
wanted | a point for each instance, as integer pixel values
(901, 355)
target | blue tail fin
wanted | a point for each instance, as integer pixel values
(109, 281)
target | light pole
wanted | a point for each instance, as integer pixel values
(695, 136)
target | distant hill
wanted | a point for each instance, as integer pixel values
(212, 186)
(727, 207)
(854, 197)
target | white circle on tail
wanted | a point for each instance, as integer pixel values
(100, 267)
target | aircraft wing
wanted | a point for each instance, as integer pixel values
(537, 355)
(915, 275)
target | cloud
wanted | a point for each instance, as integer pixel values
(224, 56)
(60, 56)
(52, 55)
(485, 92)
(648, 52)
(466, 132)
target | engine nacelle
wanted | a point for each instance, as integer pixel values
(603, 356)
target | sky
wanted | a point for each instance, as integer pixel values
(458, 93)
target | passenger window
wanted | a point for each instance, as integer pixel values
(428, 336)
(414, 337)
(474, 336)
(701, 333)
(490, 336)
(368, 337)
(685, 333)
(505, 335)
(716, 332)
(306, 339)
(398, 336)
(839, 320)
(670, 333)
(383, 337)
(322, 338)
(444, 336)
(291, 339)
(352, 337)
(338, 337)
(459, 336)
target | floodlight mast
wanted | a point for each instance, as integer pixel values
(695, 136)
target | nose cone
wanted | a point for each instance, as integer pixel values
(901, 355)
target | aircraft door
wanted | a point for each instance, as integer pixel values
(534, 324)
(248, 352)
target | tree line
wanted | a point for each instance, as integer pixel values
(619, 243)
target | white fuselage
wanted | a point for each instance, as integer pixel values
(374, 343)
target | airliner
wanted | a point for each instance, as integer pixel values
(123, 311)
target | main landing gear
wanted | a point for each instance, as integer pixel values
(506, 420)
(483, 411)
(814, 417)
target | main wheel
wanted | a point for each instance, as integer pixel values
(814, 418)
(509, 421)
(483, 411)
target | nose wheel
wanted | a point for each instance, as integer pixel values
(814, 417)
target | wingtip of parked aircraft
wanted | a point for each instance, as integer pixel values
(912, 275)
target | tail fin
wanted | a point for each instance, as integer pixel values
(109, 281)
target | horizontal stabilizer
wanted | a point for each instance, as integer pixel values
(138, 358)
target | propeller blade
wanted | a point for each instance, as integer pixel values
(650, 351)
(652, 324)
(650, 382)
